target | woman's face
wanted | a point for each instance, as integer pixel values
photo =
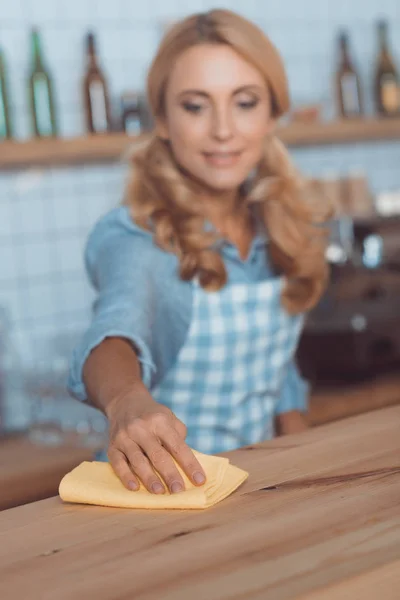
(217, 115)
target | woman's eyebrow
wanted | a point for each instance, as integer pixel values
(242, 88)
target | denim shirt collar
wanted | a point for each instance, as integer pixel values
(260, 239)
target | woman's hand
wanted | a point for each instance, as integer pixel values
(289, 422)
(144, 436)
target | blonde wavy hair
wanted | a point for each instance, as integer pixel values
(165, 201)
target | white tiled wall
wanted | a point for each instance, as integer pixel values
(45, 215)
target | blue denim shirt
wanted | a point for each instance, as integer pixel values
(140, 297)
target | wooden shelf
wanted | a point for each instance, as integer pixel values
(110, 147)
(63, 151)
(340, 132)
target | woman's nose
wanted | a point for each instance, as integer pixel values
(222, 125)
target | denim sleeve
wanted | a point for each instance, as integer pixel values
(117, 262)
(294, 393)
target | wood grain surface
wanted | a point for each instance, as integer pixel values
(318, 518)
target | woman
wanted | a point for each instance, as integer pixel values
(206, 271)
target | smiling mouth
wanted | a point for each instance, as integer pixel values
(222, 159)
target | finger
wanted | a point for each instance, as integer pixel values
(180, 428)
(184, 456)
(141, 466)
(162, 461)
(121, 467)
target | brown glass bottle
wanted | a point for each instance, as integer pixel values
(95, 92)
(348, 87)
(41, 97)
(387, 82)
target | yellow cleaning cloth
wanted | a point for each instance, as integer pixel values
(96, 483)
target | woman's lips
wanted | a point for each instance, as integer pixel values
(222, 159)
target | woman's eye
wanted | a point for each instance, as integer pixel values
(191, 107)
(248, 104)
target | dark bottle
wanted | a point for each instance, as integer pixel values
(348, 87)
(131, 109)
(5, 122)
(41, 97)
(95, 92)
(387, 83)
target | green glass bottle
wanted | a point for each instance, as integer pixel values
(41, 97)
(5, 122)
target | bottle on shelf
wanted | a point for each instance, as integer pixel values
(131, 113)
(387, 81)
(348, 86)
(5, 119)
(41, 95)
(95, 92)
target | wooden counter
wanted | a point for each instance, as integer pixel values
(346, 400)
(318, 518)
(29, 472)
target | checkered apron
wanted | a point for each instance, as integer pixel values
(228, 375)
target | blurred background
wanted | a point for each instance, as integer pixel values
(72, 77)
